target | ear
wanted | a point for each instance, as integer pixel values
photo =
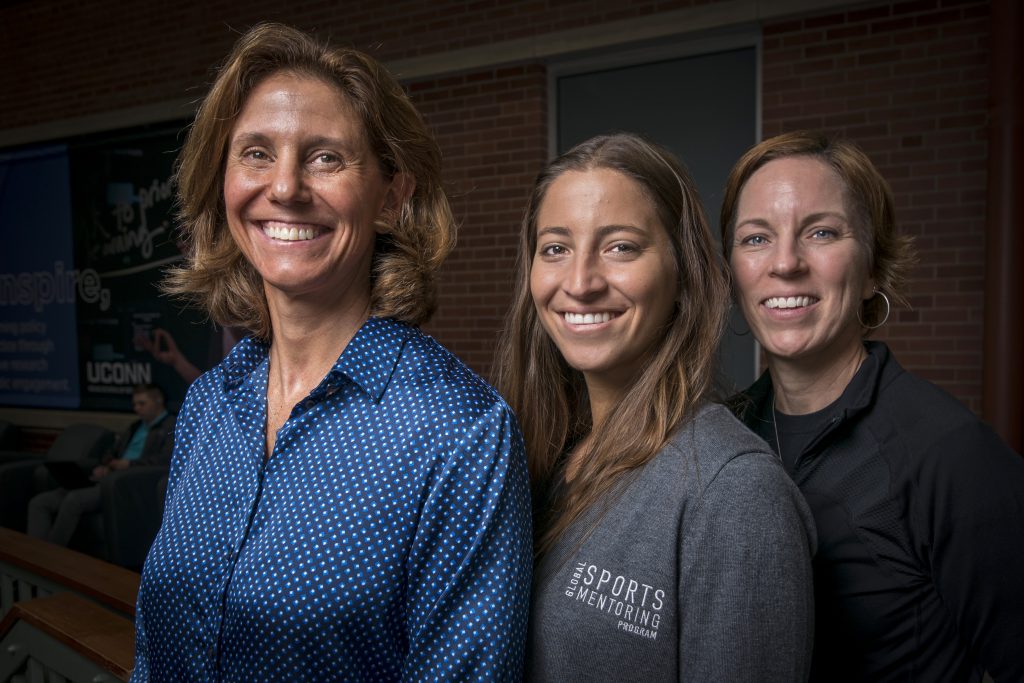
(399, 191)
(869, 289)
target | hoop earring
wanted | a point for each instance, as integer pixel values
(888, 310)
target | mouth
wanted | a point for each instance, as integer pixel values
(784, 302)
(290, 232)
(588, 318)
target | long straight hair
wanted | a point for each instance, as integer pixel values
(550, 398)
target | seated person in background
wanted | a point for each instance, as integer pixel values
(53, 516)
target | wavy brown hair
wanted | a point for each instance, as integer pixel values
(890, 255)
(216, 275)
(550, 398)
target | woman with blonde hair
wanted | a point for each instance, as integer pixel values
(670, 544)
(347, 501)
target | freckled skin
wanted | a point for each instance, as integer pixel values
(602, 249)
(298, 157)
(794, 237)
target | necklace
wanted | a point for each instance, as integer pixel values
(775, 425)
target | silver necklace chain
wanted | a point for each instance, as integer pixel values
(775, 425)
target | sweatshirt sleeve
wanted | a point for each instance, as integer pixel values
(745, 593)
(969, 499)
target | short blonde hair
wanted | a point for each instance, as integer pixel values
(406, 259)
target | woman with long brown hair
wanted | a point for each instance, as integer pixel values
(670, 544)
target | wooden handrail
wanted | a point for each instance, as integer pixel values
(106, 583)
(99, 635)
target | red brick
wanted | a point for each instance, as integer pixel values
(841, 32)
(868, 14)
(828, 20)
(906, 80)
(805, 38)
(889, 25)
(915, 6)
(772, 29)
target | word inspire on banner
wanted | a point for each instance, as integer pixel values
(42, 288)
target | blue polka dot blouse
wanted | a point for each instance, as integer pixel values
(387, 538)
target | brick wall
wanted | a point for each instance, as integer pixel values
(909, 83)
(67, 58)
(491, 127)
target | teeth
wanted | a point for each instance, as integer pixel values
(587, 318)
(789, 302)
(290, 234)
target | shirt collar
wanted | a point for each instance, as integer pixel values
(859, 393)
(369, 359)
(157, 420)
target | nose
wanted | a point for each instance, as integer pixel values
(787, 259)
(287, 183)
(584, 278)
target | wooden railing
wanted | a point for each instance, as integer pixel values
(31, 568)
(64, 616)
(65, 638)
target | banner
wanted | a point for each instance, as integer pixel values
(39, 282)
(123, 214)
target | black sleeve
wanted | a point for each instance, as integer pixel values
(970, 504)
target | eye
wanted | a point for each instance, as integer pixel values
(326, 158)
(824, 233)
(552, 250)
(255, 154)
(754, 240)
(623, 248)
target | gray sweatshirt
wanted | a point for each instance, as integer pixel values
(700, 570)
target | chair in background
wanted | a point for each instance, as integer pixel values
(8, 435)
(131, 511)
(23, 476)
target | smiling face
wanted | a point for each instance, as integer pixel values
(302, 189)
(604, 276)
(799, 271)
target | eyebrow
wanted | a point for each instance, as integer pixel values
(602, 232)
(256, 138)
(812, 218)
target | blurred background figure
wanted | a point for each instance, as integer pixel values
(54, 515)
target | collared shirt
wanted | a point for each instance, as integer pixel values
(387, 537)
(138, 441)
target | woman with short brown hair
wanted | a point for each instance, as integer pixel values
(919, 506)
